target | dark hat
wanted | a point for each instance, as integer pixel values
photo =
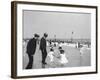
(51, 49)
(45, 35)
(60, 48)
(36, 35)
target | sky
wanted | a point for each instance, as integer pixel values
(61, 24)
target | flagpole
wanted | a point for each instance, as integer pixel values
(72, 37)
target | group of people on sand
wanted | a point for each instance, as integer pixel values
(62, 59)
(31, 49)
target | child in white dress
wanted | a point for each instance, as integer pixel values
(63, 59)
(50, 54)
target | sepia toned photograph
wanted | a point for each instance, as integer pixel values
(53, 39)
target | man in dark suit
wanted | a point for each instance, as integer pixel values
(43, 46)
(31, 48)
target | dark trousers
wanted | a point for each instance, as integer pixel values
(30, 63)
(44, 55)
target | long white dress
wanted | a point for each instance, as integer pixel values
(50, 54)
(82, 50)
(63, 59)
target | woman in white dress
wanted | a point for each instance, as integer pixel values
(63, 59)
(50, 55)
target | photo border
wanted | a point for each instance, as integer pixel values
(14, 37)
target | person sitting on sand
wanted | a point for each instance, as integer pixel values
(63, 59)
(51, 55)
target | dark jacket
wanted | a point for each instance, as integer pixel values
(43, 43)
(31, 46)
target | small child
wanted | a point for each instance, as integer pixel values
(63, 60)
(50, 54)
